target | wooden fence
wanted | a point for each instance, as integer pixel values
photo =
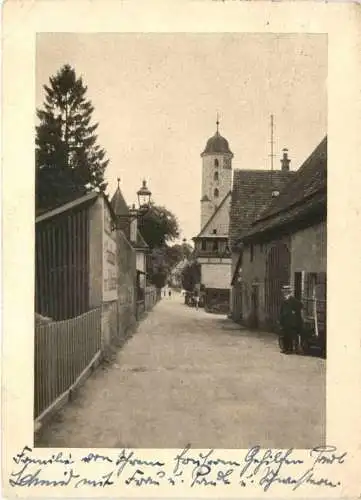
(149, 301)
(64, 351)
(150, 298)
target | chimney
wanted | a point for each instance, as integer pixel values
(285, 161)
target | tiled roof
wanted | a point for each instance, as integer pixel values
(315, 204)
(305, 194)
(311, 178)
(251, 194)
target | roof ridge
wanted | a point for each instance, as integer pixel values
(264, 170)
(214, 214)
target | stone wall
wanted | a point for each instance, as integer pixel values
(118, 316)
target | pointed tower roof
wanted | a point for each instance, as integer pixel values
(118, 202)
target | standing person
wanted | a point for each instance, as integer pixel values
(196, 298)
(170, 292)
(290, 319)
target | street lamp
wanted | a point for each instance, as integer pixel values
(144, 197)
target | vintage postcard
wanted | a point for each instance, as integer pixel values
(181, 264)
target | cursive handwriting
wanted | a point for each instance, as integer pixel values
(257, 468)
(24, 458)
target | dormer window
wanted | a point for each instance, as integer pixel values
(216, 176)
(216, 163)
(216, 193)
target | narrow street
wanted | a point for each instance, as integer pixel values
(191, 377)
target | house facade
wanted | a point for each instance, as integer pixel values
(211, 244)
(253, 191)
(287, 244)
(175, 275)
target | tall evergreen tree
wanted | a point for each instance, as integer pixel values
(69, 162)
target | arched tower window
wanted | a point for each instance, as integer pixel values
(216, 176)
(216, 163)
(216, 193)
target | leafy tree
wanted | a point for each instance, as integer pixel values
(177, 252)
(159, 226)
(158, 269)
(191, 275)
(69, 162)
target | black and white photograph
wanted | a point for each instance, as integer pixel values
(181, 274)
(181, 223)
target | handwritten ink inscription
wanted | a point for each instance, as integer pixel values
(255, 468)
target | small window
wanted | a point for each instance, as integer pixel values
(251, 251)
(216, 176)
(214, 231)
(216, 163)
(216, 193)
(204, 245)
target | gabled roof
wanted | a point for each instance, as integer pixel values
(217, 210)
(251, 194)
(306, 194)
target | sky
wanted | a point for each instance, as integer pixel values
(156, 97)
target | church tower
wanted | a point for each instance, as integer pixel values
(216, 174)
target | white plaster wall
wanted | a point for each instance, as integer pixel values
(309, 249)
(220, 221)
(207, 209)
(96, 223)
(216, 275)
(110, 268)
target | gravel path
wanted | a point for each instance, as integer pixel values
(191, 377)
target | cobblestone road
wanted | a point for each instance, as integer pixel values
(191, 377)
